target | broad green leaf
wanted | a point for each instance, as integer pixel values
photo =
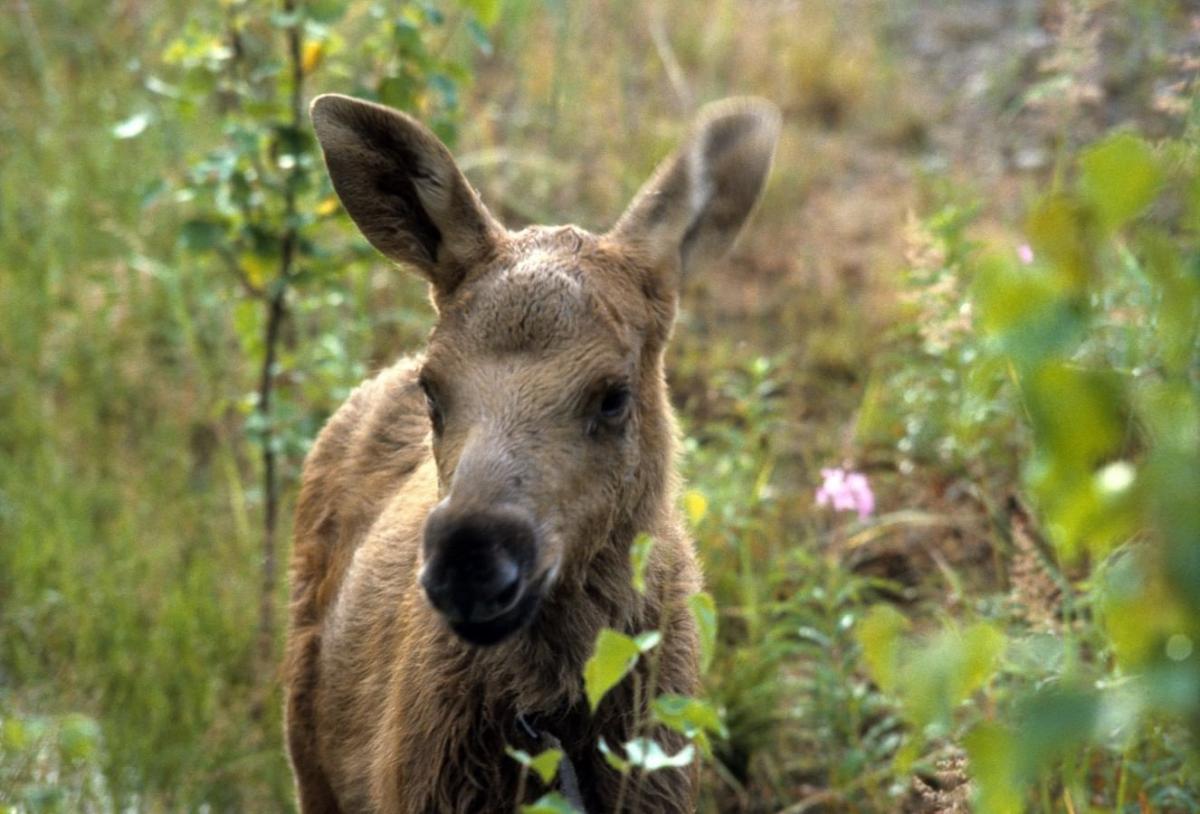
(1177, 322)
(78, 737)
(704, 611)
(259, 268)
(982, 646)
(13, 734)
(1120, 177)
(1175, 511)
(639, 556)
(552, 803)
(687, 715)
(1136, 607)
(649, 755)
(1024, 309)
(939, 673)
(1057, 228)
(201, 235)
(612, 758)
(878, 635)
(544, 763)
(1078, 415)
(485, 11)
(691, 717)
(325, 11)
(613, 658)
(992, 752)
(1054, 723)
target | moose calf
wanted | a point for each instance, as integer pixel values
(465, 520)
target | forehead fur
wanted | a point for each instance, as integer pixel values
(548, 291)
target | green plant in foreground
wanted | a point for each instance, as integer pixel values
(1098, 322)
(613, 660)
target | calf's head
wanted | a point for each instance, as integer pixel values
(543, 375)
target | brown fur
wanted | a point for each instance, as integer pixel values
(387, 709)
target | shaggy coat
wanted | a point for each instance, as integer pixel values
(540, 400)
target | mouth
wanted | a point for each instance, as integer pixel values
(495, 630)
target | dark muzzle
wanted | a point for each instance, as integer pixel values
(479, 569)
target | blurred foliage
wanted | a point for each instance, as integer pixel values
(1027, 388)
(1098, 322)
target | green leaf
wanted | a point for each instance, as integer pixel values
(982, 646)
(325, 11)
(1057, 228)
(485, 11)
(552, 803)
(878, 635)
(13, 734)
(1026, 310)
(1078, 415)
(544, 763)
(78, 737)
(639, 556)
(704, 611)
(649, 755)
(993, 752)
(612, 758)
(613, 658)
(690, 717)
(945, 670)
(1120, 177)
(201, 235)
(1054, 723)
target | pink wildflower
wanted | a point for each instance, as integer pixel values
(846, 492)
(1025, 253)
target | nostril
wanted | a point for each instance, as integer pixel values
(506, 585)
(440, 596)
(508, 594)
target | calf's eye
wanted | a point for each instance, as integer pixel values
(614, 404)
(436, 418)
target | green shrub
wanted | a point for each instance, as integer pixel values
(1098, 320)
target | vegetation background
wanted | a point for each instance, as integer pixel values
(974, 280)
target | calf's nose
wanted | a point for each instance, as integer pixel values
(476, 566)
(474, 592)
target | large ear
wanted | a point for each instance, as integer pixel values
(401, 186)
(693, 207)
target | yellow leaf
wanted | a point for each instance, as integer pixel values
(258, 268)
(696, 506)
(328, 206)
(312, 55)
